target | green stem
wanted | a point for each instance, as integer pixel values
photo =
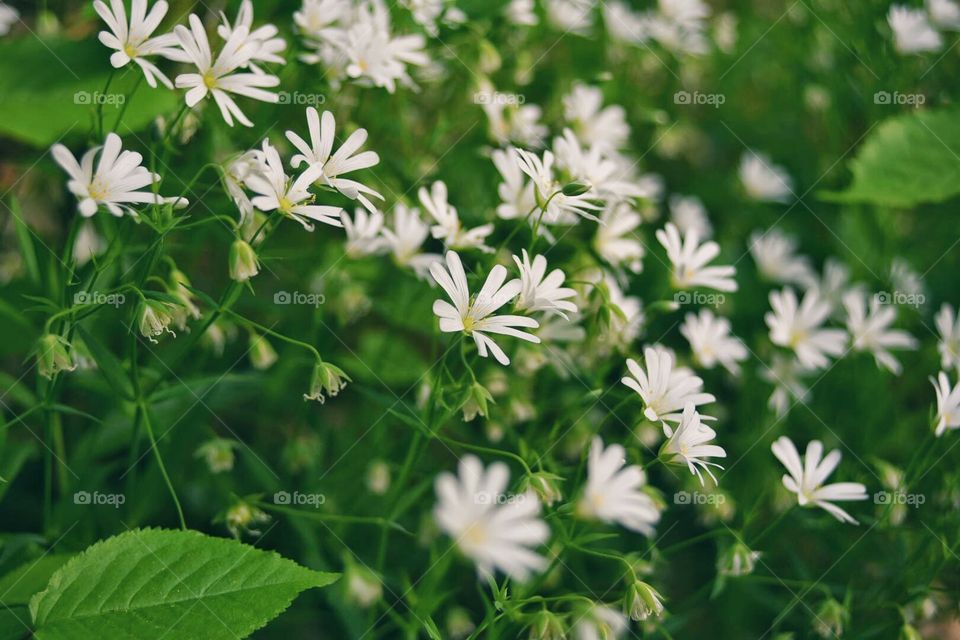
(142, 408)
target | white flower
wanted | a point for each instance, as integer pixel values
(785, 375)
(776, 258)
(806, 478)
(521, 13)
(665, 390)
(448, 227)
(622, 331)
(235, 177)
(277, 192)
(614, 493)
(689, 259)
(132, 40)
(363, 232)
(907, 282)
(315, 17)
(834, 282)
(763, 180)
(616, 240)
(593, 123)
(9, 16)
(261, 44)
(495, 531)
(688, 444)
(912, 32)
(869, 329)
(318, 153)
(540, 291)
(948, 404)
(625, 25)
(510, 121)
(798, 327)
(709, 337)
(405, 239)
(944, 13)
(115, 182)
(689, 214)
(594, 168)
(948, 325)
(600, 622)
(516, 192)
(559, 207)
(217, 77)
(473, 316)
(571, 16)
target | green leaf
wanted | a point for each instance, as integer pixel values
(107, 364)
(182, 584)
(907, 160)
(18, 586)
(25, 238)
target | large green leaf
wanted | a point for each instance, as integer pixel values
(18, 586)
(907, 160)
(148, 583)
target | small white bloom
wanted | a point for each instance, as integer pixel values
(614, 493)
(217, 77)
(448, 227)
(516, 192)
(88, 244)
(944, 13)
(262, 43)
(785, 374)
(948, 404)
(344, 160)
(689, 214)
(594, 168)
(600, 622)
(948, 325)
(132, 40)
(363, 233)
(798, 327)
(593, 123)
(559, 207)
(906, 281)
(521, 13)
(763, 180)
(870, 329)
(316, 17)
(9, 16)
(624, 24)
(688, 444)
(711, 342)
(912, 32)
(237, 172)
(116, 181)
(472, 316)
(777, 260)
(616, 240)
(689, 259)
(405, 239)
(834, 282)
(495, 531)
(571, 16)
(665, 390)
(277, 192)
(806, 478)
(540, 291)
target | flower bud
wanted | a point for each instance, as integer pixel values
(262, 354)
(575, 188)
(242, 517)
(243, 261)
(155, 318)
(378, 477)
(476, 402)
(737, 560)
(53, 356)
(363, 586)
(327, 380)
(642, 601)
(218, 454)
(545, 485)
(547, 626)
(830, 619)
(187, 308)
(909, 632)
(459, 625)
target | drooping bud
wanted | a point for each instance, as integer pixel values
(830, 619)
(737, 560)
(262, 354)
(327, 380)
(642, 601)
(187, 308)
(218, 454)
(476, 402)
(155, 318)
(53, 356)
(242, 517)
(546, 485)
(378, 477)
(243, 261)
(547, 626)
(363, 586)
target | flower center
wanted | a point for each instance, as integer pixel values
(468, 324)
(130, 49)
(97, 191)
(210, 80)
(475, 535)
(285, 204)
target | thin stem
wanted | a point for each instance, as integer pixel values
(163, 468)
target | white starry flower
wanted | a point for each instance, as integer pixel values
(516, 192)
(786, 376)
(776, 256)
(540, 291)
(217, 77)
(614, 492)
(521, 13)
(405, 239)
(912, 32)
(10, 16)
(948, 325)
(664, 389)
(509, 120)
(624, 24)
(710, 339)
(448, 227)
(600, 622)
(870, 330)
(278, 192)
(315, 18)
(114, 183)
(363, 233)
(944, 13)
(235, 176)
(616, 240)
(690, 259)
(473, 316)
(764, 180)
(335, 164)
(689, 214)
(624, 327)
(557, 207)
(496, 531)
(688, 444)
(834, 282)
(948, 404)
(571, 16)
(806, 477)
(799, 327)
(261, 44)
(593, 123)
(131, 40)
(594, 168)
